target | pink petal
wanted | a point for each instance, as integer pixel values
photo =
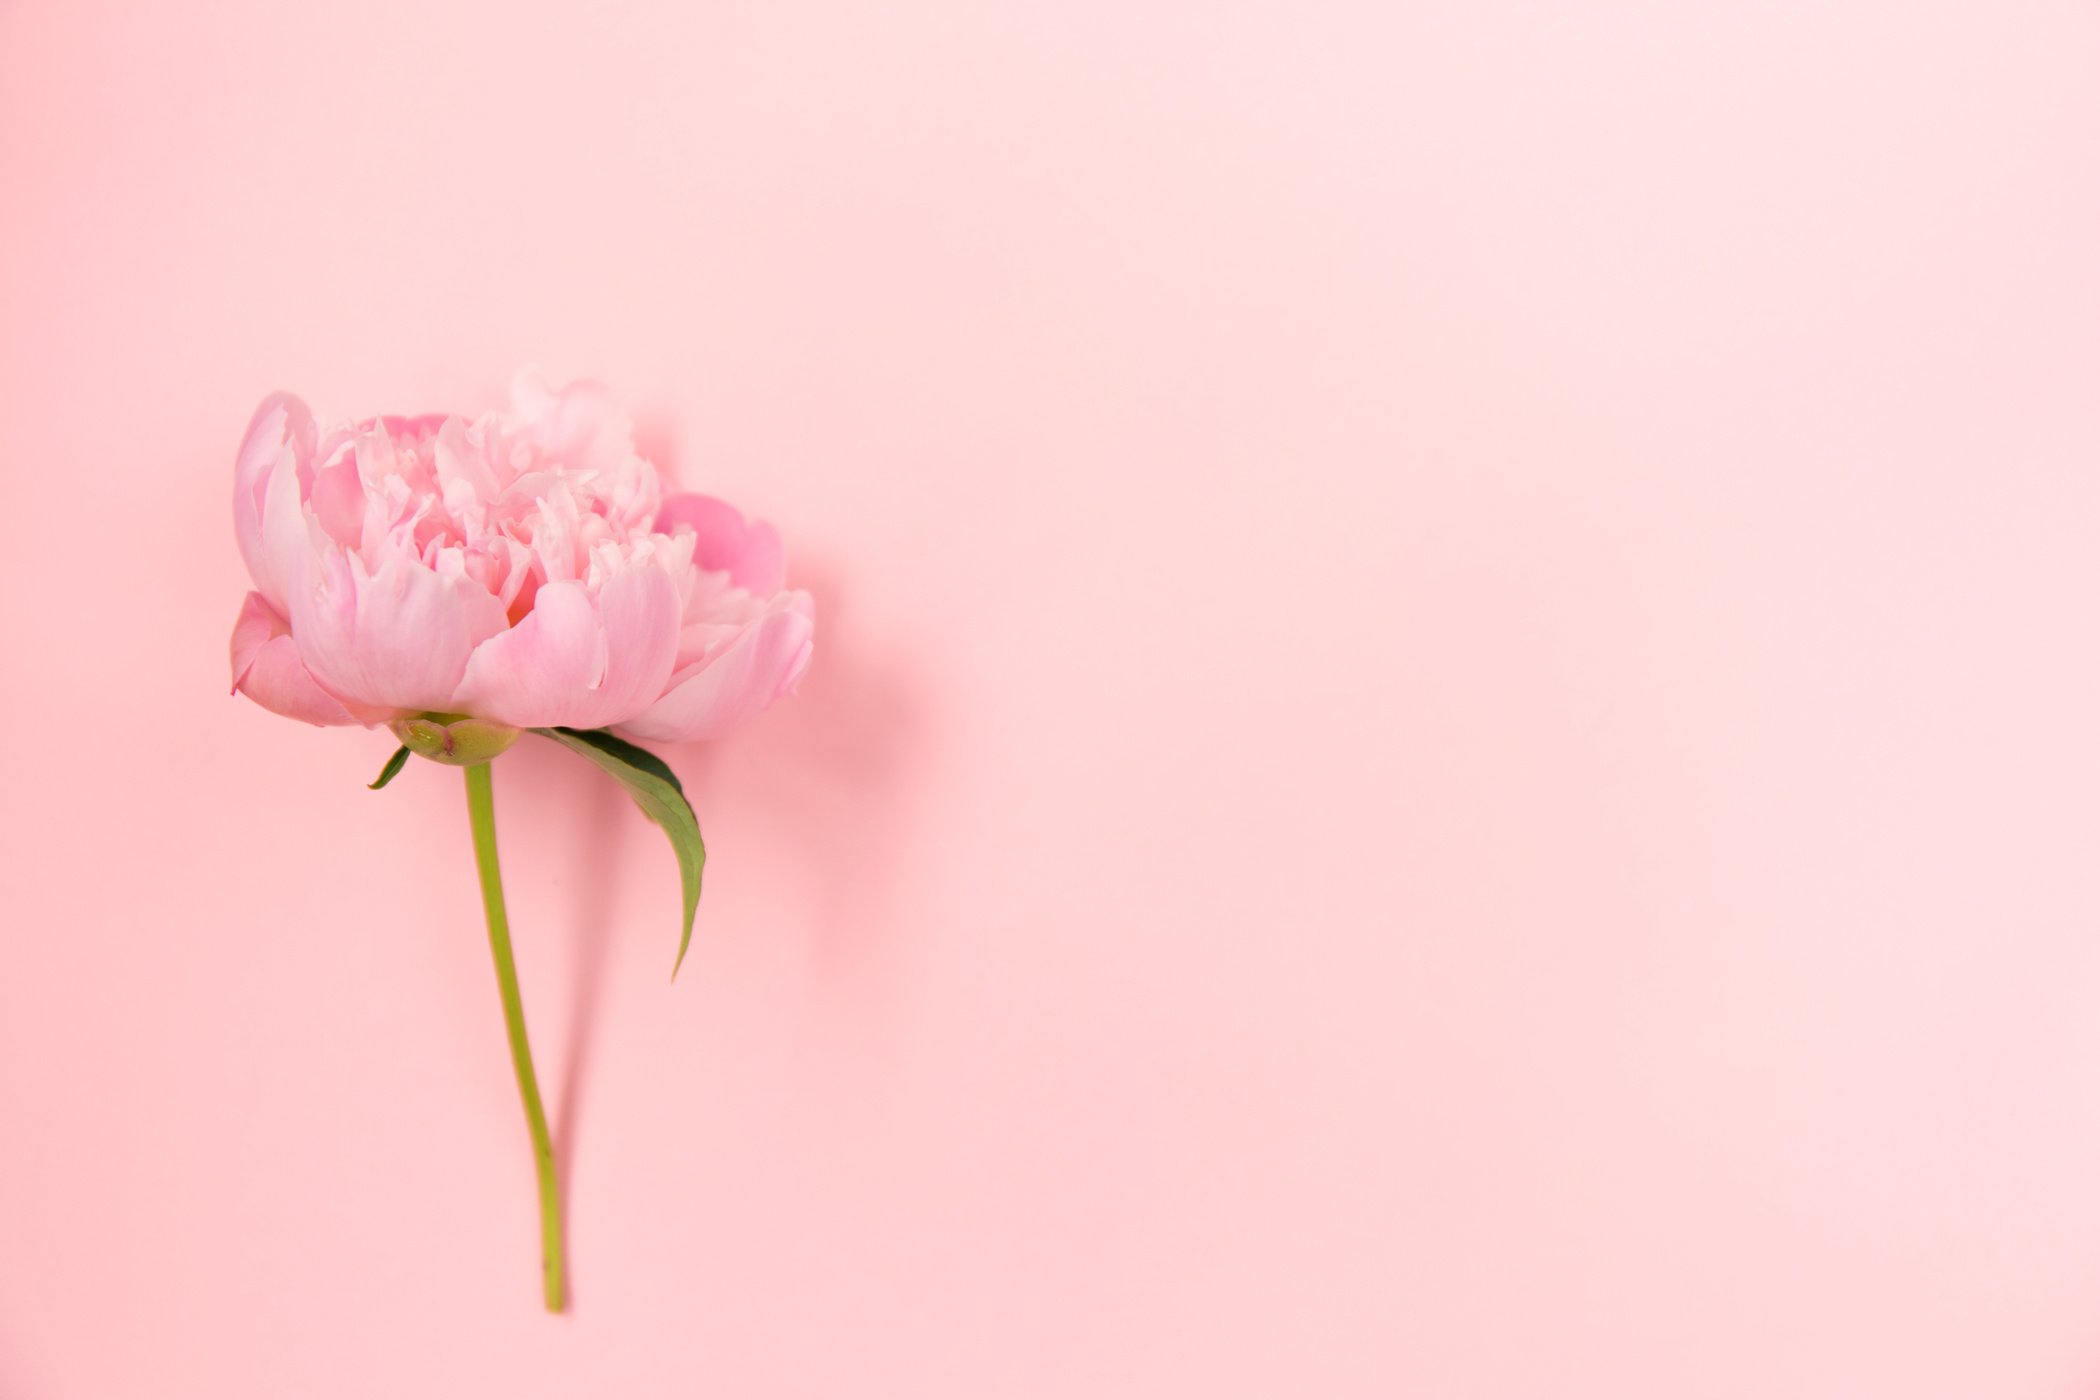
(282, 426)
(267, 669)
(338, 502)
(738, 680)
(582, 425)
(283, 554)
(589, 427)
(408, 425)
(750, 552)
(397, 638)
(575, 662)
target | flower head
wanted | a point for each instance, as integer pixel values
(525, 569)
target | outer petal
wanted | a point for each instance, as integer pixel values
(398, 637)
(748, 550)
(762, 663)
(267, 669)
(282, 428)
(582, 425)
(287, 538)
(575, 662)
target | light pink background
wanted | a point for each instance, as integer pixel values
(1452, 752)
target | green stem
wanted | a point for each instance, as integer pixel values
(481, 809)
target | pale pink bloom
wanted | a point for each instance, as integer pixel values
(525, 568)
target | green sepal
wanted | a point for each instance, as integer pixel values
(655, 789)
(393, 765)
(459, 740)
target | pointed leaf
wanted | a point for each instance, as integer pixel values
(393, 766)
(655, 789)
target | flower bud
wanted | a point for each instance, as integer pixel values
(455, 739)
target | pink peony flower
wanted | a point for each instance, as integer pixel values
(525, 569)
(462, 582)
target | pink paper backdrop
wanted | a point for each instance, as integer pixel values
(1452, 753)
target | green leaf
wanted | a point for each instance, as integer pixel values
(654, 788)
(393, 766)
